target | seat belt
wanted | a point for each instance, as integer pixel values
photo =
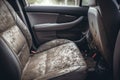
(25, 22)
(21, 13)
(116, 59)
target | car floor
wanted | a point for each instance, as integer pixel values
(97, 69)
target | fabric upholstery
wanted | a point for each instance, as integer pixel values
(98, 33)
(52, 44)
(12, 35)
(21, 25)
(104, 27)
(5, 17)
(58, 58)
(54, 62)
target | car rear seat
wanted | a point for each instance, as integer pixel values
(58, 59)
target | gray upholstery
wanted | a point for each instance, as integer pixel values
(104, 28)
(54, 62)
(21, 25)
(58, 59)
(52, 44)
(98, 33)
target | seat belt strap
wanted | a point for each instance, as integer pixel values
(21, 12)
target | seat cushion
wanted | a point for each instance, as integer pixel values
(52, 44)
(61, 60)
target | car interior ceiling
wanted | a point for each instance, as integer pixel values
(98, 43)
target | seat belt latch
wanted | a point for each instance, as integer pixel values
(33, 52)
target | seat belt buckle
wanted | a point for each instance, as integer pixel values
(33, 52)
(94, 55)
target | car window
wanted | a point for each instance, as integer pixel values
(85, 2)
(88, 2)
(74, 3)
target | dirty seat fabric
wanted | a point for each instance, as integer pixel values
(58, 59)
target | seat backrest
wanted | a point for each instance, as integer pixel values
(103, 21)
(116, 59)
(98, 32)
(15, 43)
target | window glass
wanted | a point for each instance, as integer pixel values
(85, 2)
(53, 2)
(88, 2)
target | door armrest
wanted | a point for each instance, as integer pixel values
(57, 26)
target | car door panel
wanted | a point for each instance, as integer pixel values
(62, 18)
(40, 18)
(75, 11)
(44, 36)
(48, 31)
(57, 26)
(74, 33)
(56, 22)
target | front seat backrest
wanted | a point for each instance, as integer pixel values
(15, 43)
(97, 31)
(104, 27)
(116, 59)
